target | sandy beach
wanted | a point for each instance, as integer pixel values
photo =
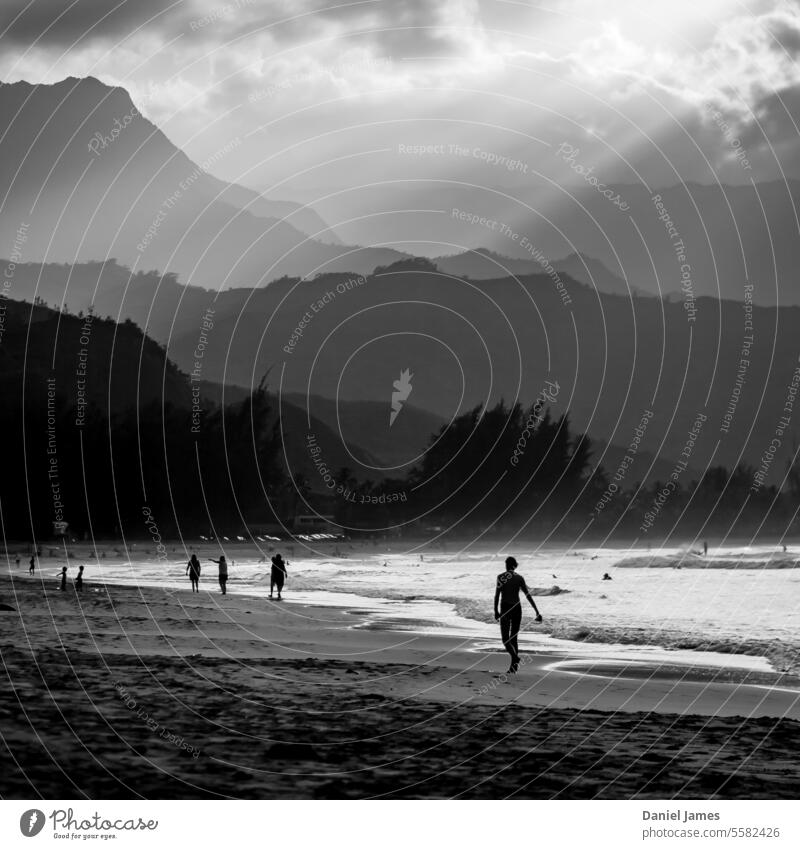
(145, 692)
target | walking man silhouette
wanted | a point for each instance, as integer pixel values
(79, 580)
(508, 609)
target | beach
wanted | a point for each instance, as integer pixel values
(128, 691)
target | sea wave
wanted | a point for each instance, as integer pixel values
(694, 561)
(782, 654)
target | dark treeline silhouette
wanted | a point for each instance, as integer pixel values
(502, 465)
(104, 467)
(137, 462)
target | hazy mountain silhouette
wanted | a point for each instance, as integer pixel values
(364, 425)
(729, 232)
(470, 343)
(91, 178)
(483, 264)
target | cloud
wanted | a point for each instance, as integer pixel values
(23, 22)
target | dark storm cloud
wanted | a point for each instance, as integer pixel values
(787, 37)
(62, 23)
(778, 119)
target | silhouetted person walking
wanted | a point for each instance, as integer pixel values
(277, 575)
(63, 586)
(193, 568)
(223, 572)
(508, 609)
(705, 548)
(32, 561)
(79, 580)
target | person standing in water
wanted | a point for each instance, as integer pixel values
(32, 567)
(277, 575)
(79, 580)
(193, 568)
(508, 609)
(223, 572)
(63, 586)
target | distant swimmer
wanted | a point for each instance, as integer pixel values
(277, 576)
(193, 570)
(223, 572)
(508, 610)
(79, 580)
(606, 576)
(63, 586)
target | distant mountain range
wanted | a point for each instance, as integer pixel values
(90, 178)
(467, 343)
(328, 325)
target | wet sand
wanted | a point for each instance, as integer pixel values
(128, 692)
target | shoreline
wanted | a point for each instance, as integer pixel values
(236, 696)
(657, 644)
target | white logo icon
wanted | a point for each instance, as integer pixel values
(402, 389)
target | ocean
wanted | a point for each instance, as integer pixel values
(738, 604)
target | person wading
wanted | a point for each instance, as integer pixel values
(277, 575)
(223, 572)
(508, 609)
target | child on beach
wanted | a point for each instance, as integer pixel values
(508, 610)
(193, 568)
(223, 572)
(277, 575)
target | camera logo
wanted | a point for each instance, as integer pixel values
(31, 822)
(402, 389)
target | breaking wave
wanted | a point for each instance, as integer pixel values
(694, 561)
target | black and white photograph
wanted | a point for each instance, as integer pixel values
(400, 402)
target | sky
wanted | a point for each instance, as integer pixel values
(322, 96)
